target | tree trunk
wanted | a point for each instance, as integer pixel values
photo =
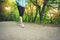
(42, 12)
(36, 14)
(43, 8)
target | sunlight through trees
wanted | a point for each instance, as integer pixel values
(38, 11)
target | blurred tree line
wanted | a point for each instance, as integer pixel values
(8, 10)
(38, 11)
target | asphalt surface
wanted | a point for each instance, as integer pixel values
(31, 31)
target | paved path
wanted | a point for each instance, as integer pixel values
(12, 31)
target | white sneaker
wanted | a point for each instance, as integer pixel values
(22, 25)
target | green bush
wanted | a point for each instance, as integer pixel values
(13, 16)
(57, 20)
(9, 15)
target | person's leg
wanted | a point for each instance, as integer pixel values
(21, 20)
(21, 12)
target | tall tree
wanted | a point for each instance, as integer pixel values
(38, 4)
(43, 8)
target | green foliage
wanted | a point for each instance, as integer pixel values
(13, 15)
(37, 19)
(10, 14)
(57, 20)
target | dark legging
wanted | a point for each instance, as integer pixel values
(21, 10)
